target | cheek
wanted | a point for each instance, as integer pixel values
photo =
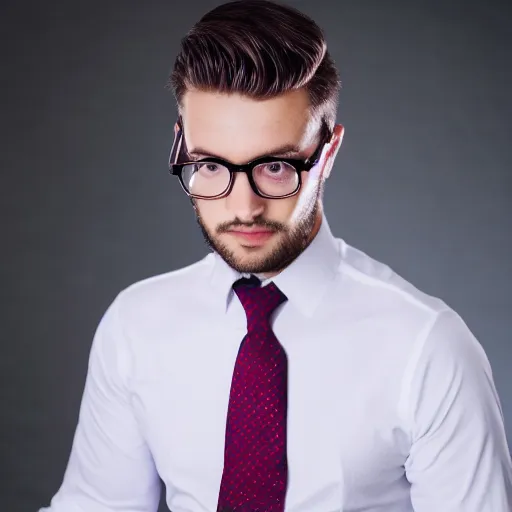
(281, 209)
(310, 178)
(211, 212)
(310, 184)
(306, 199)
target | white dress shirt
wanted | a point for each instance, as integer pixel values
(392, 405)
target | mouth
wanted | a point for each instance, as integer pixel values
(255, 236)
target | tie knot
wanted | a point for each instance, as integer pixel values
(258, 302)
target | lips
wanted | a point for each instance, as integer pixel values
(253, 236)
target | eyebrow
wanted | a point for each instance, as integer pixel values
(286, 150)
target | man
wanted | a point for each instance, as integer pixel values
(286, 371)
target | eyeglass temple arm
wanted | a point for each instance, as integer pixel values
(176, 147)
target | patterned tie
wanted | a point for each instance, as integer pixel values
(255, 464)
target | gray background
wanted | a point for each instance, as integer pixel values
(423, 182)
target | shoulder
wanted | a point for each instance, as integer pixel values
(394, 310)
(161, 294)
(380, 282)
(420, 325)
(437, 351)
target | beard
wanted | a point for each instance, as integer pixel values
(293, 240)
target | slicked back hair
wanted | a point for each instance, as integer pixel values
(260, 49)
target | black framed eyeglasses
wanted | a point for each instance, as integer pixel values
(213, 178)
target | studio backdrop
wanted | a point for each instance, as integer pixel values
(423, 182)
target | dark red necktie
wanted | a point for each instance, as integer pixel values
(255, 465)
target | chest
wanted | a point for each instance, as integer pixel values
(343, 434)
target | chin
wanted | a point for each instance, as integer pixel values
(249, 255)
(249, 266)
(246, 259)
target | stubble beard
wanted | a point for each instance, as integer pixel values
(293, 241)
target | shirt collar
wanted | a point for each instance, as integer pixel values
(304, 281)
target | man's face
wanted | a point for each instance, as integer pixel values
(253, 234)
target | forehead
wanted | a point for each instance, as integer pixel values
(238, 127)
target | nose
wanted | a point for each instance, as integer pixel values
(242, 202)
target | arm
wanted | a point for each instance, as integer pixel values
(459, 460)
(110, 467)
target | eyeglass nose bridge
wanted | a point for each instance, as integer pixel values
(246, 169)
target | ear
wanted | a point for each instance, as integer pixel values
(331, 150)
(176, 128)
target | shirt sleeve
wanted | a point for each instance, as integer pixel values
(459, 460)
(110, 467)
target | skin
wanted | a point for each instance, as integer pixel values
(253, 234)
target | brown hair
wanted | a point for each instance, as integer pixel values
(261, 49)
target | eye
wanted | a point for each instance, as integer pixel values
(274, 167)
(275, 171)
(208, 167)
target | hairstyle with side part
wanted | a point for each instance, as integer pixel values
(261, 49)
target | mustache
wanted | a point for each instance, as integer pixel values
(257, 222)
